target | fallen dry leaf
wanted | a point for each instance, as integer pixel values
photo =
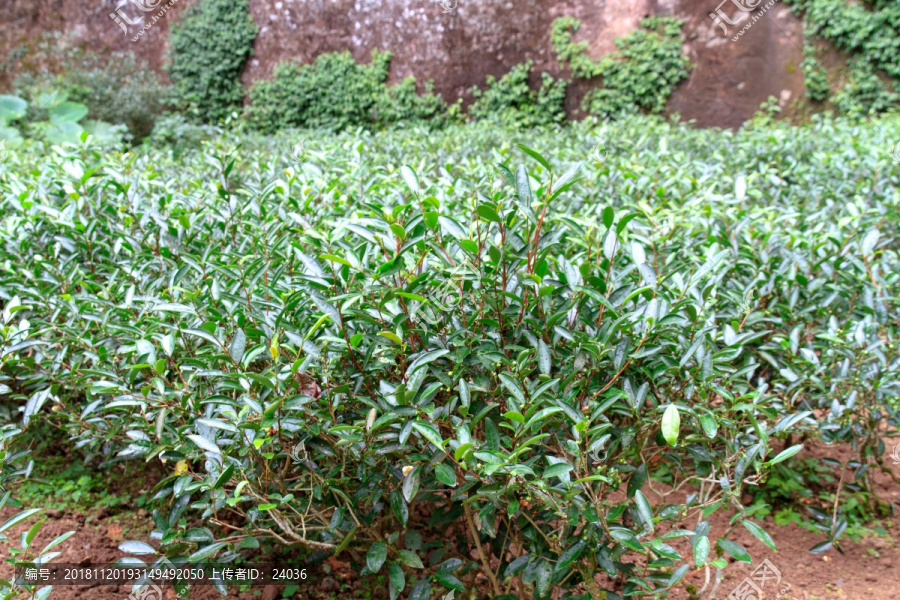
(115, 533)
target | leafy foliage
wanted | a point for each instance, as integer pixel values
(870, 33)
(208, 50)
(52, 117)
(26, 556)
(864, 93)
(123, 91)
(511, 101)
(178, 135)
(12, 108)
(120, 90)
(568, 51)
(640, 75)
(335, 92)
(870, 30)
(15, 342)
(815, 77)
(402, 322)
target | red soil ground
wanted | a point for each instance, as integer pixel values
(867, 570)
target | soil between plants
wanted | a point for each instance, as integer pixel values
(867, 570)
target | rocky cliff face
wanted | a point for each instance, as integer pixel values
(457, 43)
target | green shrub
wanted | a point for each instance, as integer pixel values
(208, 49)
(567, 51)
(122, 91)
(176, 132)
(401, 104)
(766, 115)
(119, 90)
(865, 93)
(16, 342)
(512, 102)
(870, 33)
(815, 77)
(360, 356)
(640, 75)
(335, 92)
(115, 88)
(51, 117)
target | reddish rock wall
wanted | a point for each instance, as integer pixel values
(457, 49)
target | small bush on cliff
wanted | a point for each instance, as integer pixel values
(870, 33)
(815, 77)
(869, 30)
(511, 101)
(640, 75)
(568, 51)
(864, 93)
(335, 92)
(208, 51)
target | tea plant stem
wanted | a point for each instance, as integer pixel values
(495, 585)
(837, 497)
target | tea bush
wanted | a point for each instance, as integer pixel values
(17, 464)
(509, 336)
(178, 135)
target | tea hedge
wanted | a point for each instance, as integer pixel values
(520, 338)
(16, 463)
